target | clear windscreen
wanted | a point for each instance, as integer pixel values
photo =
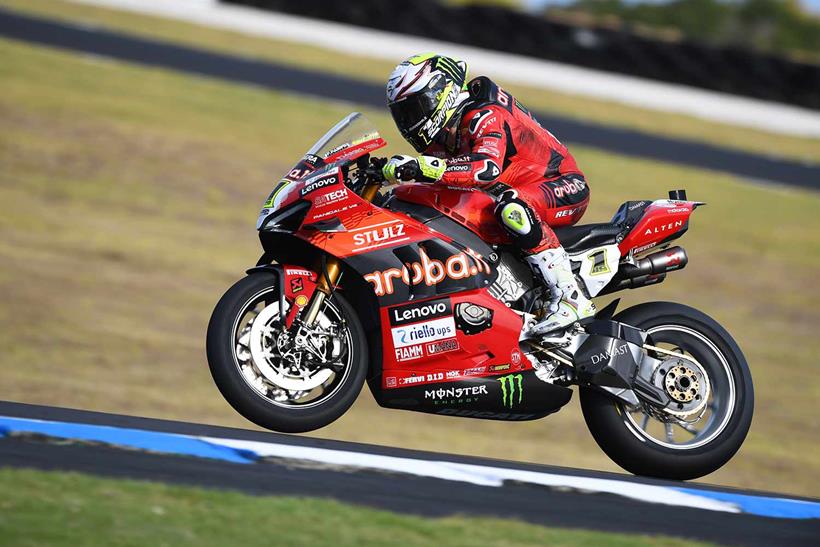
(353, 129)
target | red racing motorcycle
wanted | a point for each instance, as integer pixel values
(417, 292)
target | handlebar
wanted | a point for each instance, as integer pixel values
(373, 170)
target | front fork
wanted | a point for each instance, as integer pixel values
(327, 280)
(332, 270)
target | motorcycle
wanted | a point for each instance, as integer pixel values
(416, 292)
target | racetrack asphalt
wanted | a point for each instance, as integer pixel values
(395, 491)
(270, 75)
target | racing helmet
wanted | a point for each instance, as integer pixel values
(425, 94)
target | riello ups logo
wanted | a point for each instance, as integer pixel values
(512, 390)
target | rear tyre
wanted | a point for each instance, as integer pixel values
(270, 378)
(646, 443)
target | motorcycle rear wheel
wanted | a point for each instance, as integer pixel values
(304, 400)
(676, 449)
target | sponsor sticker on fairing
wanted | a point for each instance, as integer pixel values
(409, 352)
(330, 197)
(419, 333)
(422, 311)
(443, 346)
(390, 381)
(455, 395)
(379, 236)
(320, 181)
(429, 271)
(410, 380)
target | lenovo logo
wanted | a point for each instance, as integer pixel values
(419, 312)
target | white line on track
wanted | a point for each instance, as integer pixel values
(487, 475)
(476, 474)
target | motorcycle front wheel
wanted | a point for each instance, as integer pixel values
(285, 380)
(714, 382)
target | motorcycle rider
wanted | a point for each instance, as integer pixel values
(475, 134)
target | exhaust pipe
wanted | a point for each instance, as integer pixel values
(646, 271)
(661, 262)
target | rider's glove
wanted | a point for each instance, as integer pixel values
(410, 169)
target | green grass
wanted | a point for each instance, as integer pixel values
(128, 198)
(88, 511)
(610, 113)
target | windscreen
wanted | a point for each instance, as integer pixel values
(353, 129)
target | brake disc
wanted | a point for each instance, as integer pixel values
(686, 384)
(270, 348)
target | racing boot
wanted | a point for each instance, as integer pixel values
(568, 304)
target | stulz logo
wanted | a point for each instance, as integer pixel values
(664, 228)
(428, 271)
(321, 183)
(419, 312)
(379, 234)
(510, 387)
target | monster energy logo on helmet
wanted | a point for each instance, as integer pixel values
(510, 387)
(424, 96)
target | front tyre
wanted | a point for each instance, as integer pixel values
(279, 379)
(677, 445)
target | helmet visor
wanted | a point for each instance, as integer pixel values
(411, 113)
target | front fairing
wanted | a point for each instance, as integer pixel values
(323, 165)
(289, 193)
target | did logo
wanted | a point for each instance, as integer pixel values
(512, 387)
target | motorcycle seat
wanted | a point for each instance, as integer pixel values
(585, 236)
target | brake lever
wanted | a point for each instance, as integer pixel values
(374, 170)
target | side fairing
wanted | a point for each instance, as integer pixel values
(597, 266)
(422, 269)
(458, 355)
(469, 207)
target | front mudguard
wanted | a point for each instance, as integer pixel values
(296, 286)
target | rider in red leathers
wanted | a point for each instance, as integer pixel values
(475, 134)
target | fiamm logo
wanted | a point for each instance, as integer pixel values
(511, 385)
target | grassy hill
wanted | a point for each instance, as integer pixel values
(128, 198)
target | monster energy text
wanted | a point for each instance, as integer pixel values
(454, 395)
(509, 385)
